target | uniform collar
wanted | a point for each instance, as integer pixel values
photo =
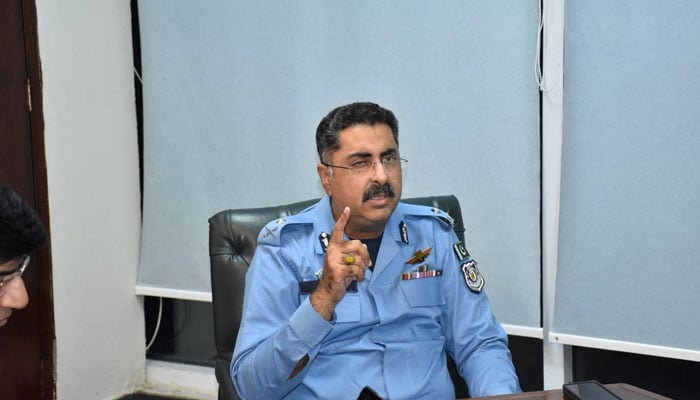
(392, 240)
(324, 222)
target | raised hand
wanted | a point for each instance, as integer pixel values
(345, 261)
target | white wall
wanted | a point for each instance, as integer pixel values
(92, 161)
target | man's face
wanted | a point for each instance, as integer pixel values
(367, 193)
(13, 294)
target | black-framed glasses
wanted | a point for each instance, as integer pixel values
(390, 162)
(7, 276)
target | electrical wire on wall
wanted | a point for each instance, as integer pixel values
(539, 74)
(155, 331)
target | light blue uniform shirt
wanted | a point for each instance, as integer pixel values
(391, 334)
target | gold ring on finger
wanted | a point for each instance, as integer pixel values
(349, 259)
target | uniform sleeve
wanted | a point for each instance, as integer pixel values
(475, 339)
(277, 330)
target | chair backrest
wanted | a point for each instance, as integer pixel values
(232, 241)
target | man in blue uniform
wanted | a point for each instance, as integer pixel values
(362, 292)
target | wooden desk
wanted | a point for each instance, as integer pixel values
(623, 390)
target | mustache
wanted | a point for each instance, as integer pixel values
(384, 189)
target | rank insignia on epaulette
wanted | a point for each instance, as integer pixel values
(461, 251)
(472, 276)
(419, 256)
(323, 238)
(269, 232)
(404, 232)
(443, 216)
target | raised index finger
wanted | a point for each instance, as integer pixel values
(339, 228)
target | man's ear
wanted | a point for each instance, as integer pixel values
(325, 175)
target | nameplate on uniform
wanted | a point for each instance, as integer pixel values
(306, 287)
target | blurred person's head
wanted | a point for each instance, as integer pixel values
(21, 232)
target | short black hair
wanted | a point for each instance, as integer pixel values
(343, 117)
(21, 230)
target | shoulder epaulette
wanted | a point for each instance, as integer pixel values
(425, 211)
(272, 232)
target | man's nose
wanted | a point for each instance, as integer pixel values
(379, 171)
(15, 295)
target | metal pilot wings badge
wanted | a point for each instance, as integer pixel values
(419, 256)
(472, 276)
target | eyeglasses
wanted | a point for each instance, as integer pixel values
(7, 276)
(390, 162)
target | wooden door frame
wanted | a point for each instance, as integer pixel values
(41, 199)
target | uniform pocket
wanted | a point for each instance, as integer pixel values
(423, 292)
(348, 310)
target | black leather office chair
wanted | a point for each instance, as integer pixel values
(232, 240)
